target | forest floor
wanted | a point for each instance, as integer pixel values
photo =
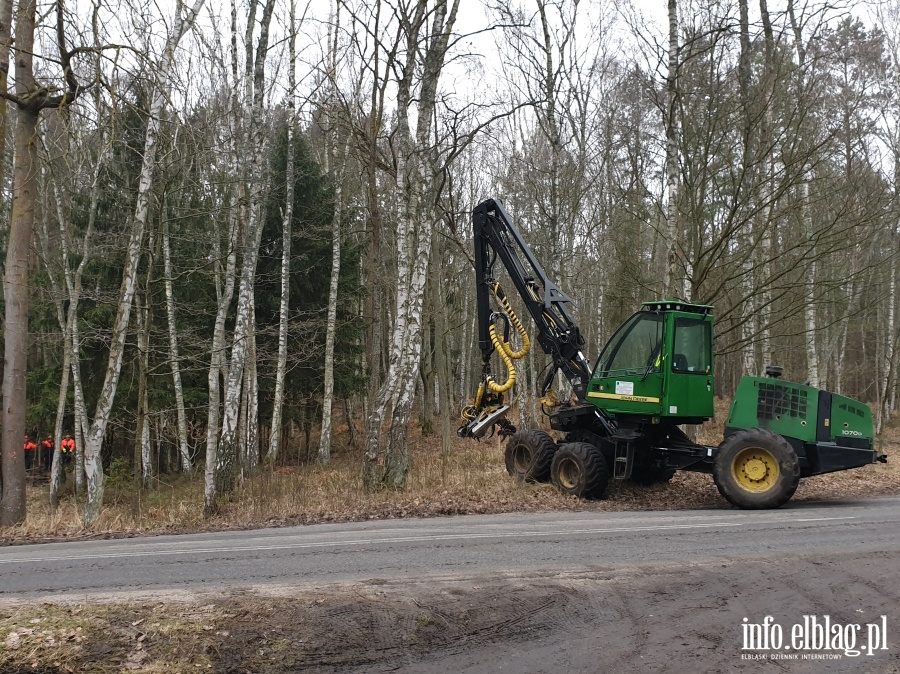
(470, 479)
(415, 627)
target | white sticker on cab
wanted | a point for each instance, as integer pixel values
(625, 388)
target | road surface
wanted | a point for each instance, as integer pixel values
(579, 592)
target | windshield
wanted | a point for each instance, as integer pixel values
(635, 347)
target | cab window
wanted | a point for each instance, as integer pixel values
(692, 351)
(634, 348)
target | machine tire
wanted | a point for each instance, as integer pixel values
(756, 469)
(529, 455)
(579, 469)
(653, 475)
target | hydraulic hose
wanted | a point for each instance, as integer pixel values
(503, 349)
(502, 346)
(517, 324)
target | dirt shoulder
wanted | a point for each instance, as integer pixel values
(644, 619)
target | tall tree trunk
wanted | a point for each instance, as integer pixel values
(225, 280)
(768, 192)
(809, 311)
(287, 216)
(6, 14)
(750, 318)
(251, 397)
(672, 284)
(442, 362)
(339, 163)
(174, 355)
(57, 474)
(228, 450)
(143, 468)
(15, 278)
(56, 468)
(888, 367)
(225, 289)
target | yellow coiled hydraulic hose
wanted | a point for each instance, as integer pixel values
(502, 346)
(485, 401)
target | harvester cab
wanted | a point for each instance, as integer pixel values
(658, 364)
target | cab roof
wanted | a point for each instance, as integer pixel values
(672, 304)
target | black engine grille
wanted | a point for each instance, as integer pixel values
(776, 400)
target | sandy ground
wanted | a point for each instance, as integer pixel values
(673, 618)
(647, 619)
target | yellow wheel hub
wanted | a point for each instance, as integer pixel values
(569, 474)
(755, 469)
(522, 459)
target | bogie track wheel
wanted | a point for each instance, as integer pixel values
(579, 469)
(529, 455)
(756, 469)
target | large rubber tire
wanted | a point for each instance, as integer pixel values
(529, 455)
(579, 469)
(651, 475)
(756, 469)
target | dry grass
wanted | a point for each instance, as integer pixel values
(471, 480)
(156, 638)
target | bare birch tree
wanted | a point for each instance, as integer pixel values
(286, 217)
(336, 165)
(228, 446)
(415, 173)
(174, 354)
(224, 283)
(95, 433)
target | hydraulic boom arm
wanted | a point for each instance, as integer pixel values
(495, 236)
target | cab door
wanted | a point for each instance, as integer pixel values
(690, 385)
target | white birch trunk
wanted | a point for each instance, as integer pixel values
(97, 430)
(288, 214)
(143, 401)
(174, 355)
(228, 445)
(217, 358)
(672, 285)
(72, 339)
(56, 468)
(251, 388)
(259, 177)
(372, 472)
(844, 326)
(225, 280)
(413, 263)
(809, 311)
(339, 164)
(888, 361)
(764, 312)
(72, 345)
(331, 325)
(336, 165)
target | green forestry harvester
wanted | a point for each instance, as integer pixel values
(654, 375)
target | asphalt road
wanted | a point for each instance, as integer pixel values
(443, 548)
